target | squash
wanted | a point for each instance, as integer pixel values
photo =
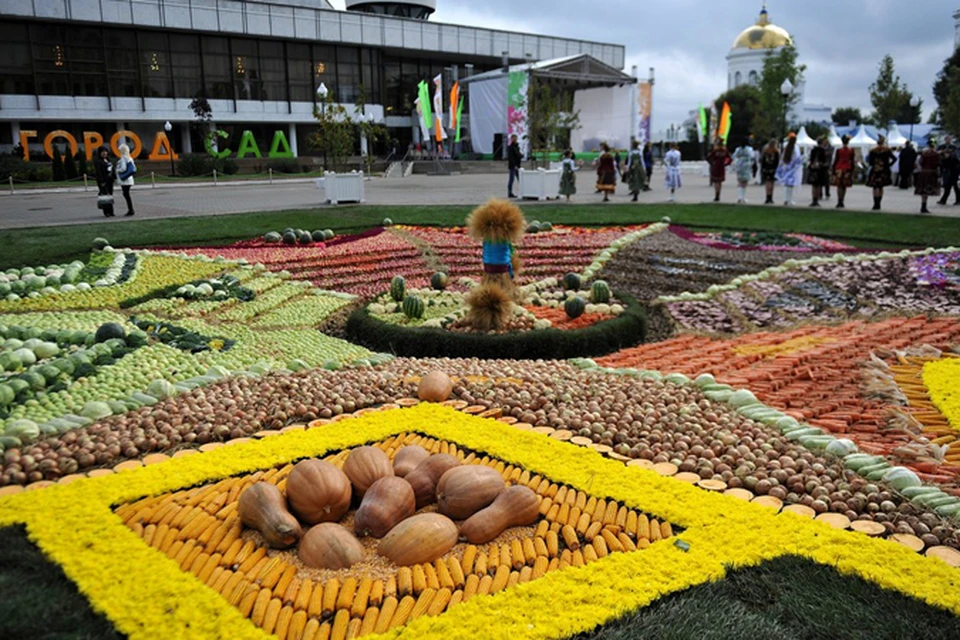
(516, 506)
(425, 477)
(436, 386)
(263, 507)
(330, 546)
(318, 491)
(422, 538)
(464, 490)
(407, 459)
(387, 502)
(366, 465)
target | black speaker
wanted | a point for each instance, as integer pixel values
(498, 151)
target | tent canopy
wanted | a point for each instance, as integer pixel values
(835, 140)
(894, 137)
(804, 141)
(861, 140)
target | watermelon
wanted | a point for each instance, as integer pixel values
(398, 288)
(306, 238)
(546, 226)
(575, 306)
(96, 410)
(413, 307)
(318, 236)
(6, 395)
(439, 281)
(328, 234)
(289, 238)
(108, 331)
(272, 236)
(571, 282)
(387, 222)
(600, 292)
(533, 227)
(100, 243)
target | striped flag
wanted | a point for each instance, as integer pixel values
(441, 135)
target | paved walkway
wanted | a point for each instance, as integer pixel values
(30, 209)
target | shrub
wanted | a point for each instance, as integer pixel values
(81, 163)
(38, 173)
(228, 166)
(284, 165)
(57, 165)
(13, 165)
(194, 164)
(69, 168)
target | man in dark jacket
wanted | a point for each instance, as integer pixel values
(949, 169)
(514, 158)
(908, 160)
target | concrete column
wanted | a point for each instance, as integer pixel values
(14, 133)
(186, 143)
(292, 139)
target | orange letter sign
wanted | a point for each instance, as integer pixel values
(161, 148)
(134, 139)
(59, 133)
(91, 142)
(25, 142)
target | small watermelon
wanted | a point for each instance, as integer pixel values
(289, 238)
(413, 307)
(328, 234)
(533, 227)
(306, 238)
(439, 281)
(546, 226)
(600, 292)
(108, 331)
(571, 282)
(272, 236)
(575, 306)
(398, 288)
(100, 243)
(318, 236)
(387, 222)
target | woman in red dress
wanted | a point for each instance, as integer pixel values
(718, 158)
(843, 163)
(928, 180)
(606, 173)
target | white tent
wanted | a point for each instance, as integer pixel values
(835, 140)
(894, 137)
(861, 140)
(804, 141)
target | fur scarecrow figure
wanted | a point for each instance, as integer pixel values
(499, 225)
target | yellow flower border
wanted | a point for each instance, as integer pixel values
(942, 379)
(146, 595)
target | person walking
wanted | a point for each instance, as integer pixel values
(648, 164)
(819, 174)
(949, 169)
(928, 178)
(769, 161)
(843, 166)
(606, 173)
(636, 171)
(568, 179)
(790, 169)
(718, 159)
(126, 169)
(879, 161)
(103, 170)
(514, 159)
(743, 166)
(672, 179)
(908, 162)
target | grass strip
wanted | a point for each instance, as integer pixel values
(20, 247)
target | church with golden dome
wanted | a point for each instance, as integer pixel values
(745, 63)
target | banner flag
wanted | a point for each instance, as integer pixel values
(421, 117)
(518, 83)
(424, 98)
(702, 124)
(725, 121)
(645, 107)
(459, 119)
(441, 134)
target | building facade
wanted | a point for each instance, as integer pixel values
(132, 65)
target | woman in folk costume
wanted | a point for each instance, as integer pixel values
(671, 161)
(499, 226)
(718, 159)
(648, 164)
(928, 180)
(819, 176)
(568, 179)
(844, 162)
(769, 162)
(743, 165)
(606, 173)
(636, 171)
(790, 169)
(879, 161)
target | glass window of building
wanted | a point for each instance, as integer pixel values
(50, 59)
(273, 75)
(754, 78)
(324, 69)
(247, 82)
(217, 67)
(155, 70)
(348, 74)
(187, 66)
(123, 65)
(300, 72)
(738, 79)
(87, 70)
(16, 66)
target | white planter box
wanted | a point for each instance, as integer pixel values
(540, 184)
(341, 187)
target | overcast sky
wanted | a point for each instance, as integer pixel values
(686, 41)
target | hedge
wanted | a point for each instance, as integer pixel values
(626, 330)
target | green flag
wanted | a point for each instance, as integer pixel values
(425, 104)
(702, 129)
(459, 120)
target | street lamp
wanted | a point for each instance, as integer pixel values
(914, 103)
(168, 128)
(786, 89)
(322, 93)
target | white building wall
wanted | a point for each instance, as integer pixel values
(606, 115)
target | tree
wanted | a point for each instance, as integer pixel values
(815, 129)
(949, 109)
(744, 104)
(777, 67)
(335, 134)
(890, 98)
(81, 159)
(58, 174)
(202, 116)
(945, 85)
(370, 130)
(845, 115)
(550, 118)
(69, 168)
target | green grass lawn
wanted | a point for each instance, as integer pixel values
(21, 247)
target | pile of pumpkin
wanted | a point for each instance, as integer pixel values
(319, 494)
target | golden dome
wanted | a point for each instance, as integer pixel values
(763, 35)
